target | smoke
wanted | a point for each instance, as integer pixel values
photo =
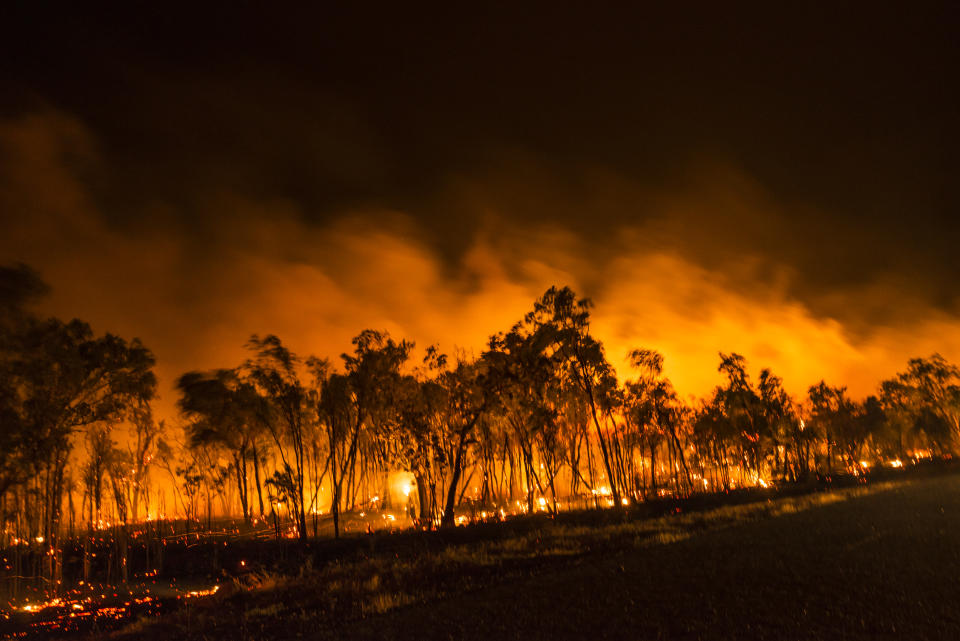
(710, 265)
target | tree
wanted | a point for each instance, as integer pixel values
(468, 396)
(744, 408)
(420, 404)
(832, 411)
(933, 385)
(781, 425)
(68, 379)
(141, 449)
(524, 371)
(652, 409)
(336, 412)
(567, 318)
(869, 423)
(100, 452)
(222, 411)
(348, 402)
(896, 400)
(284, 409)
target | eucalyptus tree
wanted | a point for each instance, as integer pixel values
(712, 436)
(120, 470)
(421, 402)
(357, 399)
(551, 448)
(19, 286)
(174, 458)
(318, 455)
(933, 385)
(14, 435)
(869, 424)
(525, 371)
(142, 448)
(833, 414)
(56, 379)
(284, 409)
(745, 409)
(652, 409)
(781, 425)
(849, 424)
(221, 409)
(574, 433)
(415, 443)
(336, 413)
(582, 357)
(854, 425)
(439, 415)
(190, 474)
(901, 427)
(494, 454)
(100, 450)
(468, 396)
(378, 368)
(69, 379)
(917, 405)
(373, 372)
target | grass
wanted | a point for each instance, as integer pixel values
(399, 581)
(882, 563)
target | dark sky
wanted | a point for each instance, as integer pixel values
(811, 149)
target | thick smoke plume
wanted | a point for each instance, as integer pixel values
(691, 274)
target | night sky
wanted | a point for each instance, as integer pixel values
(774, 180)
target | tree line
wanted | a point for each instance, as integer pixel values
(537, 420)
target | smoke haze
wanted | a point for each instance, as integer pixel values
(709, 264)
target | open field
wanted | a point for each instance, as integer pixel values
(878, 561)
(883, 564)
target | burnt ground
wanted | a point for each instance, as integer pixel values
(880, 565)
(877, 558)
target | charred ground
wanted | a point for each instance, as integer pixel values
(863, 562)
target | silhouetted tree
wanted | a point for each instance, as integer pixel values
(285, 412)
(568, 320)
(221, 408)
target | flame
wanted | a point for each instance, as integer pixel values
(207, 592)
(402, 485)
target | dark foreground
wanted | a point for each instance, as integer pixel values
(881, 565)
(863, 562)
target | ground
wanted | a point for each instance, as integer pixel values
(879, 565)
(873, 561)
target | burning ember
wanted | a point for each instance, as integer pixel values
(84, 610)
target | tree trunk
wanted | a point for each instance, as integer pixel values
(424, 496)
(603, 448)
(653, 467)
(256, 476)
(447, 519)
